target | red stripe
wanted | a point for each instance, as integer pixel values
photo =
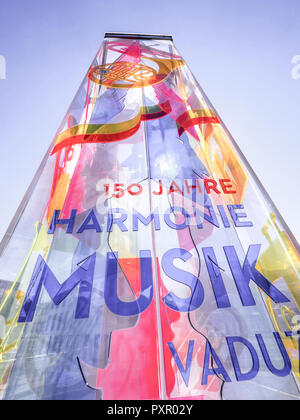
(106, 138)
(95, 138)
(195, 121)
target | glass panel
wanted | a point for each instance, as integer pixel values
(147, 261)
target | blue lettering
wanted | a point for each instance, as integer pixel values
(136, 216)
(112, 299)
(185, 372)
(43, 276)
(216, 278)
(56, 221)
(243, 276)
(197, 291)
(86, 226)
(236, 217)
(218, 370)
(286, 370)
(255, 361)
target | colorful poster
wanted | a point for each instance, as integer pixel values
(146, 261)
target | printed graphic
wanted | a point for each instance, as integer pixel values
(147, 261)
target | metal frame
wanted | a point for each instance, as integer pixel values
(137, 36)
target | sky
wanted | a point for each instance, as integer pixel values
(240, 51)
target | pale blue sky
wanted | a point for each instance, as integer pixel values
(239, 50)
